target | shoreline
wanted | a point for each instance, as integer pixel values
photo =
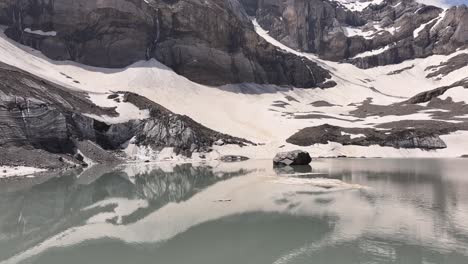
(7, 171)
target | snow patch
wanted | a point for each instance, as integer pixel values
(147, 153)
(7, 171)
(86, 160)
(352, 136)
(372, 52)
(123, 208)
(422, 26)
(41, 33)
(352, 31)
(458, 94)
(358, 5)
(126, 111)
(439, 19)
(243, 114)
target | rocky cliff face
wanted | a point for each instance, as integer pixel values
(166, 129)
(101, 33)
(210, 42)
(213, 42)
(365, 33)
(36, 114)
(311, 26)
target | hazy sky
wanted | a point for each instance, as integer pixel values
(444, 3)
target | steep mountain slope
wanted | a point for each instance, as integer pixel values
(415, 108)
(366, 33)
(210, 42)
(63, 124)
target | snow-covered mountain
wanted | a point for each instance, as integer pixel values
(86, 81)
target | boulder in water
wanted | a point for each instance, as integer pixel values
(292, 158)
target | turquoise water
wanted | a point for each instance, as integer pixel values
(337, 211)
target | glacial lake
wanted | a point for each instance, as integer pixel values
(336, 211)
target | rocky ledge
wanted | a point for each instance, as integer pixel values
(422, 138)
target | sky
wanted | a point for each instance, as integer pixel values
(444, 3)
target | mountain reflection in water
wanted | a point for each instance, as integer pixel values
(337, 211)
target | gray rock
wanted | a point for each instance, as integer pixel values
(210, 42)
(291, 158)
(317, 26)
(95, 152)
(166, 129)
(38, 115)
(428, 142)
(399, 137)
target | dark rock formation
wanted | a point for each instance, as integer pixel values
(100, 33)
(292, 158)
(311, 26)
(95, 153)
(36, 114)
(211, 42)
(400, 70)
(166, 129)
(423, 138)
(408, 29)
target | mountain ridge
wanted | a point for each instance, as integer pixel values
(416, 107)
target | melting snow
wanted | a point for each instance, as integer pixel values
(372, 52)
(352, 136)
(358, 5)
(126, 111)
(458, 94)
(352, 31)
(40, 32)
(6, 171)
(246, 115)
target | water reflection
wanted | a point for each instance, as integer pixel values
(372, 211)
(31, 213)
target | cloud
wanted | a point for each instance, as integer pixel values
(443, 3)
(439, 3)
(457, 2)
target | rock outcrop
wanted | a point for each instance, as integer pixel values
(39, 115)
(379, 34)
(292, 158)
(211, 42)
(166, 129)
(422, 138)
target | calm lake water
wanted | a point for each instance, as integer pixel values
(337, 211)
